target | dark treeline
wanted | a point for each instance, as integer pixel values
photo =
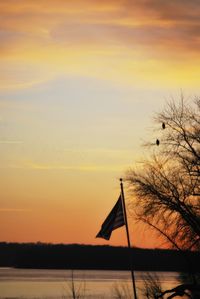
(74, 256)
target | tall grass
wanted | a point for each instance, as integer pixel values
(75, 289)
(122, 290)
(152, 286)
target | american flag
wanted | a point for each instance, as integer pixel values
(114, 220)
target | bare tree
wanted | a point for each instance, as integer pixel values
(167, 187)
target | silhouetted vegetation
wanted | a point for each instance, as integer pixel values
(74, 256)
(166, 188)
(152, 286)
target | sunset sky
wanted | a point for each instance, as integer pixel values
(80, 82)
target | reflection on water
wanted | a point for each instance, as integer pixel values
(56, 284)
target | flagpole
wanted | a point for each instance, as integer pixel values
(128, 238)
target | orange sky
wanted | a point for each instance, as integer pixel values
(79, 84)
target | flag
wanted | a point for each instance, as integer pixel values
(114, 220)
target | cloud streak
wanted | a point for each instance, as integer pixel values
(41, 40)
(81, 168)
(11, 142)
(2, 210)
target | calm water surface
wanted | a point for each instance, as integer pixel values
(56, 284)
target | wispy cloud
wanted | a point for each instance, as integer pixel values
(11, 142)
(79, 160)
(46, 22)
(79, 168)
(44, 39)
(14, 210)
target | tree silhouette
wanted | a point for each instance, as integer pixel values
(167, 187)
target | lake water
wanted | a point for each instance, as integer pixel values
(57, 284)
